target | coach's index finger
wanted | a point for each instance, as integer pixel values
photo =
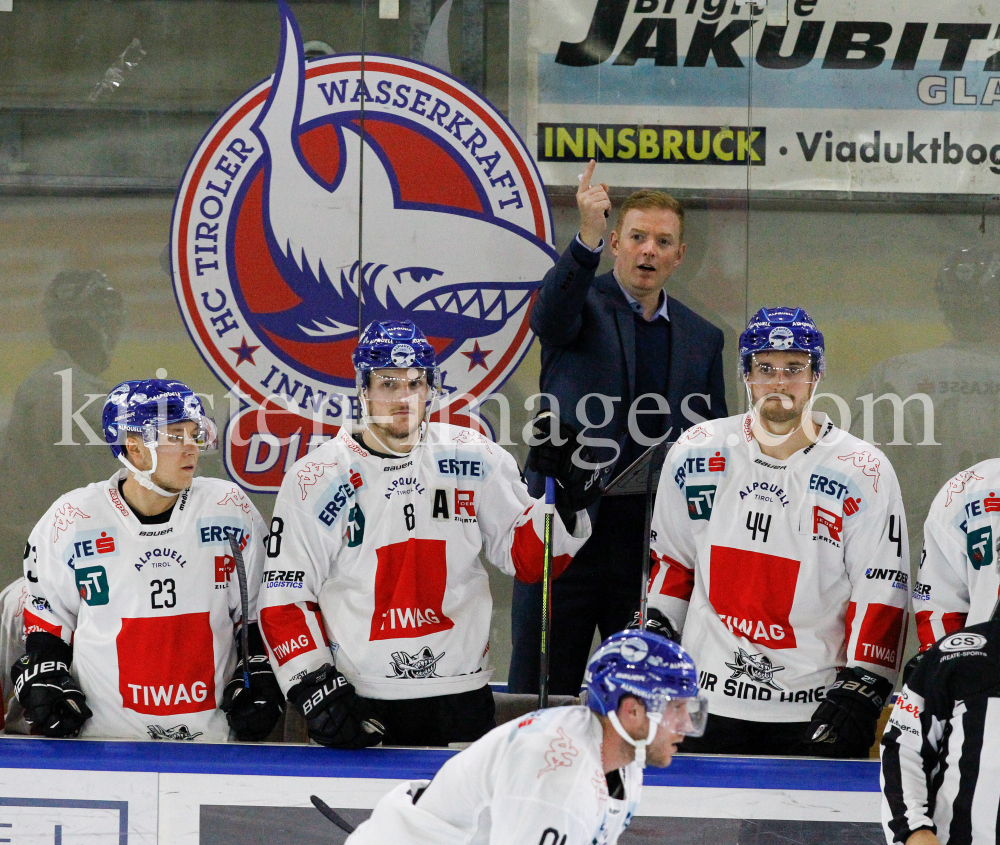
(586, 176)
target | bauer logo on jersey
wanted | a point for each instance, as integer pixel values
(979, 546)
(264, 244)
(410, 584)
(700, 500)
(92, 582)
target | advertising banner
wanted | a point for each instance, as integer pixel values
(792, 95)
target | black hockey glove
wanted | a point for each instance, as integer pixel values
(335, 714)
(52, 700)
(657, 623)
(253, 713)
(576, 488)
(844, 724)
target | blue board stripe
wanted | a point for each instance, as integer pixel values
(406, 763)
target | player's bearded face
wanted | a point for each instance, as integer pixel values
(397, 399)
(781, 385)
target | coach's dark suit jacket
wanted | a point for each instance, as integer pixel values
(587, 331)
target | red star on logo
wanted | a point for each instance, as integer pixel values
(477, 357)
(244, 352)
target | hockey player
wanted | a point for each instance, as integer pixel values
(957, 582)
(939, 750)
(130, 627)
(376, 539)
(779, 558)
(567, 775)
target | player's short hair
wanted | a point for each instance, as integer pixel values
(650, 200)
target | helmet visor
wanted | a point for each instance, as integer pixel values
(204, 434)
(686, 716)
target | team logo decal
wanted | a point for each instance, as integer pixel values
(182, 732)
(92, 584)
(979, 546)
(700, 500)
(456, 236)
(423, 664)
(781, 338)
(757, 667)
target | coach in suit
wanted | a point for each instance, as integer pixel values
(629, 366)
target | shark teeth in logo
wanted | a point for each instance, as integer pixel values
(757, 667)
(182, 732)
(269, 276)
(420, 665)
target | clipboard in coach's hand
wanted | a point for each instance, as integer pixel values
(643, 474)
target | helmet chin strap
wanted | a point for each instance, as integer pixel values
(638, 744)
(781, 438)
(144, 477)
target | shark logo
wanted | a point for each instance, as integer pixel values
(278, 254)
(957, 484)
(182, 732)
(757, 667)
(423, 664)
(867, 463)
(65, 516)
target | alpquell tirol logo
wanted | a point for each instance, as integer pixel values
(457, 234)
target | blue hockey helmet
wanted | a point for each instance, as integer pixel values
(393, 343)
(782, 329)
(144, 406)
(647, 666)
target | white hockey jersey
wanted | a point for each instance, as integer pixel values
(377, 560)
(13, 599)
(958, 580)
(779, 572)
(538, 779)
(150, 609)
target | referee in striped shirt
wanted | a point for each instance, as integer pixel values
(941, 748)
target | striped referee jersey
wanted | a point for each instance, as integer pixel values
(941, 748)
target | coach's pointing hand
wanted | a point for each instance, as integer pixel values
(594, 206)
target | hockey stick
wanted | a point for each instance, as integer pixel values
(543, 673)
(332, 814)
(241, 576)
